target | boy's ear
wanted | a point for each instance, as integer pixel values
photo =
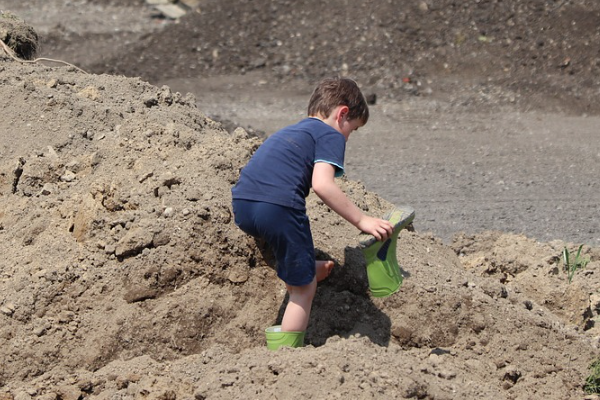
(342, 112)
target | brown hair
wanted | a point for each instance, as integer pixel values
(333, 92)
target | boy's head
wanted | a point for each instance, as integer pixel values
(333, 92)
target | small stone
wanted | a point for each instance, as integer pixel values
(23, 396)
(595, 303)
(145, 176)
(137, 294)
(8, 309)
(133, 242)
(110, 249)
(522, 346)
(69, 393)
(68, 176)
(447, 374)
(191, 4)
(48, 189)
(150, 101)
(161, 238)
(238, 274)
(171, 11)
(40, 331)
(511, 375)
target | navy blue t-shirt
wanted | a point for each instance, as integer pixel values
(280, 171)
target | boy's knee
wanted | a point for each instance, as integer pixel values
(305, 291)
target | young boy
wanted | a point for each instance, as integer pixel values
(269, 198)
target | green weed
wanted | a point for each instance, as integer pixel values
(592, 383)
(572, 265)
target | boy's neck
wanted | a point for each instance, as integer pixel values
(331, 120)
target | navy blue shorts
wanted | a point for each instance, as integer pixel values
(286, 231)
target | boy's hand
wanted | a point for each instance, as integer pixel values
(379, 228)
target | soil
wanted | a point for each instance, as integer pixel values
(123, 275)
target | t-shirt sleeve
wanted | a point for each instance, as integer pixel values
(330, 148)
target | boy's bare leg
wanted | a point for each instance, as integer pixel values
(297, 312)
(323, 269)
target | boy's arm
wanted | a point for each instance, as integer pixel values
(323, 184)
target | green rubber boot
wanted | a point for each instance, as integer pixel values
(383, 271)
(276, 338)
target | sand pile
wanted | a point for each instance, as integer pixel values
(123, 275)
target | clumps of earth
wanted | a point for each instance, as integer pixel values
(17, 36)
(533, 53)
(123, 275)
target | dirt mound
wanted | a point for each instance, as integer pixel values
(124, 275)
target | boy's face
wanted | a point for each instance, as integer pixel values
(349, 126)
